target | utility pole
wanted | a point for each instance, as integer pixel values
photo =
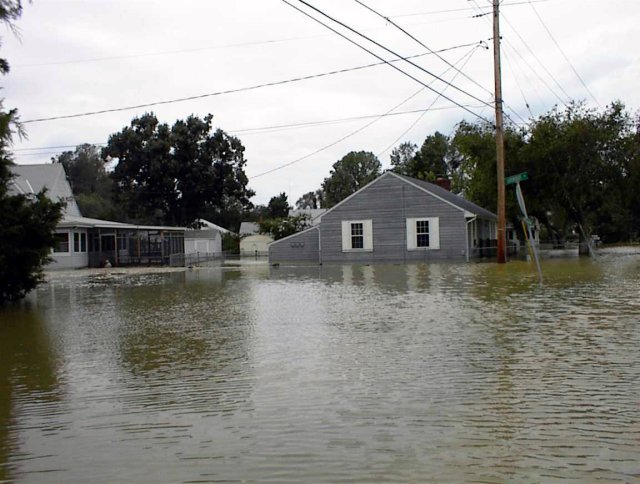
(502, 235)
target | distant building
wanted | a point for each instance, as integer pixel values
(89, 242)
(255, 245)
(393, 218)
(249, 228)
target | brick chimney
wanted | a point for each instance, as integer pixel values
(444, 182)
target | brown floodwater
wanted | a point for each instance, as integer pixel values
(357, 373)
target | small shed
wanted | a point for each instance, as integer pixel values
(207, 242)
(255, 245)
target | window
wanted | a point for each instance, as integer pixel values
(79, 242)
(357, 235)
(61, 243)
(423, 233)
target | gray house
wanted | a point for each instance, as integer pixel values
(393, 218)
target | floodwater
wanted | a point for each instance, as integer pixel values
(389, 373)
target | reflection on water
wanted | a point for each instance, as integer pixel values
(454, 372)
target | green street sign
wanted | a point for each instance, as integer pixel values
(513, 179)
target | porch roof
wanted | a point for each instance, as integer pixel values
(70, 221)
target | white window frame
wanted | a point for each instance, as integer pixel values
(81, 235)
(367, 235)
(434, 233)
(69, 244)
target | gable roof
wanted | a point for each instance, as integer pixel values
(448, 196)
(31, 179)
(433, 190)
(211, 225)
(249, 228)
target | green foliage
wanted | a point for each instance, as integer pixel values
(173, 175)
(311, 200)
(27, 223)
(350, 174)
(91, 184)
(429, 162)
(278, 206)
(584, 173)
(279, 228)
(231, 243)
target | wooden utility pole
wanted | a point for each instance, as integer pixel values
(501, 235)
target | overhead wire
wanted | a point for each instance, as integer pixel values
(544, 67)
(231, 91)
(261, 129)
(419, 118)
(388, 50)
(362, 128)
(563, 53)
(418, 41)
(433, 12)
(509, 44)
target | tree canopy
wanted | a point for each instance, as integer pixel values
(174, 175)
(91, 184)
(349, 175)
(582, 163)
(27, 222)
(278, 206)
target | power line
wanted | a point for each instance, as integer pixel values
(369, 39)
(563, 53)
(421, 43)
(378, 57)
(348, 135)
(432, 12)
(232, 91)
(510, 45)
(263, 129)
(524, 42)
(417, 120)
(154, 54)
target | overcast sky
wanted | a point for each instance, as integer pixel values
(82, 56)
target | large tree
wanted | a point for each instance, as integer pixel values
(174, 175)
(27, 222)
(431, 161)
(349, 175)
(91, 184)
(311, 200)
(279, 206)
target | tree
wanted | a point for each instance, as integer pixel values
(311, 200)
(427, 163)
(350, 174)
(91, 184)
(402, 156)
(279, 228)
(27, 223)
(579, 163)
(174, 175)
(278, 206)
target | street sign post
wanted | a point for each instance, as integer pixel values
(528, 222)
(513, 179)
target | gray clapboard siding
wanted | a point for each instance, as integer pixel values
(388, 203)
(300, 247)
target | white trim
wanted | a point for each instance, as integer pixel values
(367, 235)
(69, 244)
(434, 233)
